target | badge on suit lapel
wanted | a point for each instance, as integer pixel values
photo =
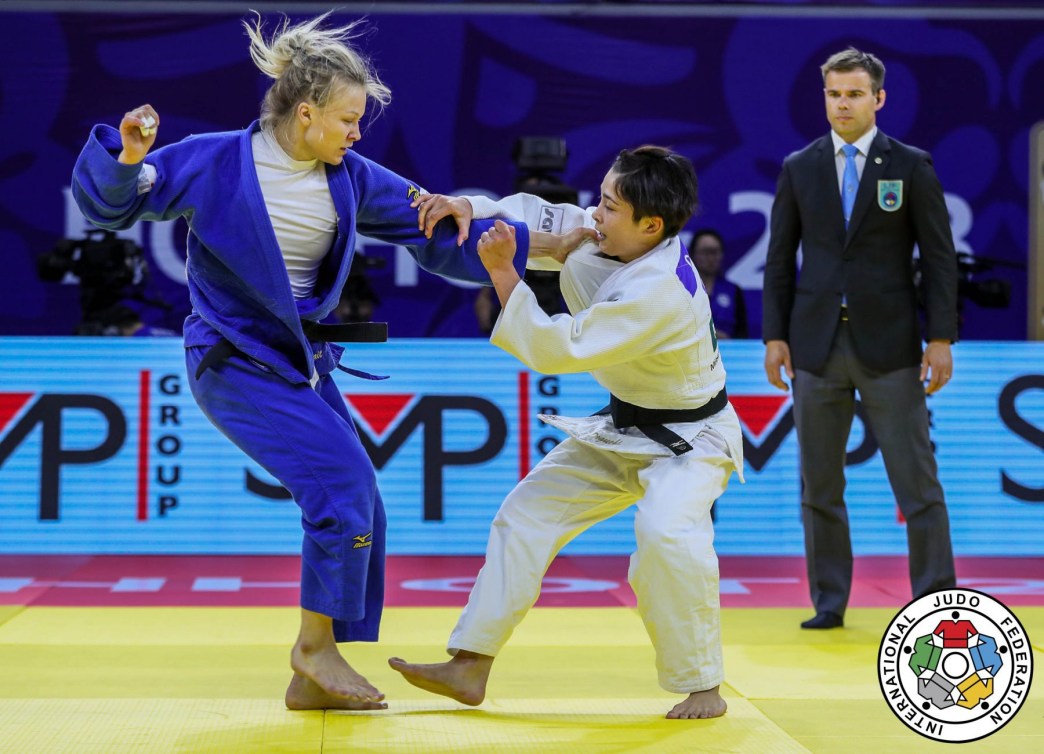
(889, 195)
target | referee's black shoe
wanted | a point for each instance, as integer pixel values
(824, 620)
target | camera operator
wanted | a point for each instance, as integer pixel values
(984, 292)
(989, 293)
(111, 271)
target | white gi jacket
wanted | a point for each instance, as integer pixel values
(642, 329)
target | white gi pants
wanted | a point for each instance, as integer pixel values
(673, 571)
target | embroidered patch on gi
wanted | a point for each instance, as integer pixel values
(890, 195)
(412, 193)
(363, 540)
(551, 219)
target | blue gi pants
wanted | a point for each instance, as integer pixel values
(306, 439)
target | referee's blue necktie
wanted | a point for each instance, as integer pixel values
(849, 181)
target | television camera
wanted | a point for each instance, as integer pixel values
(989, 293)
(110, 271)
(538, 161)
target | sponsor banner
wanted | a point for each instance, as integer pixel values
(102, 450)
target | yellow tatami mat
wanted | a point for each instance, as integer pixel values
(157, 680)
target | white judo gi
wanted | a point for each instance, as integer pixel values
(643, 330)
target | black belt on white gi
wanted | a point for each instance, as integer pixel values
(650, 421)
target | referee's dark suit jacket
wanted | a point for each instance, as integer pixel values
(870, 264)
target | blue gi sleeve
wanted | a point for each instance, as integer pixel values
(115, 196)
(384, 213)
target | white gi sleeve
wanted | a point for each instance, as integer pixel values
(537, 214)
(606, 334)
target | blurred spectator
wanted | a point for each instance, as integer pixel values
(727, 306)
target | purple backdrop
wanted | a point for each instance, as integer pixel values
(735, 94)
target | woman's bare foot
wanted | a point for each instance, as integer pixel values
(463, 678)
(303, 693)
(699, 705)
(331, 673)
(315, 656)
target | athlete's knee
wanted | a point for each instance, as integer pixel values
(694, 554)
(676, 529)
(334, 508)
(654, 534)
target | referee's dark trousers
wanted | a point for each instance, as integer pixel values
(824, 405)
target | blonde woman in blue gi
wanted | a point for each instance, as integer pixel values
(273, 212)
(639, 321)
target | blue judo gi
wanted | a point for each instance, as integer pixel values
(263, 398)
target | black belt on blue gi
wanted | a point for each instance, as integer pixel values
(347, 332)
(650, 421)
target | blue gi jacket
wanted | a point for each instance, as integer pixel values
(237, 279)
